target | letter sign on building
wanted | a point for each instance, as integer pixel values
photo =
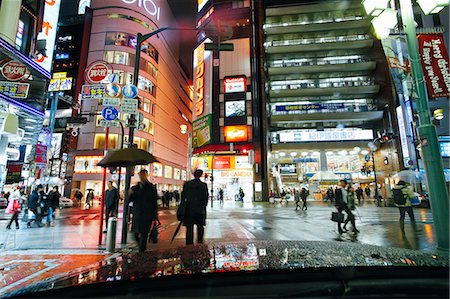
(97, 72)
(149, 5)
(14, 71)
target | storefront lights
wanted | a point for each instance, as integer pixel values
(281, 154)
(357, 149)
(293, 154)
(364, 152)
(183, 129)
(432, 6)
(304, 154)
(375, 7)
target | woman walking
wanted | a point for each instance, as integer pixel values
(14, 208)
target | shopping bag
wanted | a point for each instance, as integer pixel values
(337, 217)
(31, 215)
(25, 216)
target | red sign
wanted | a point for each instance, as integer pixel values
(97, 72)
(222, 162)
(435, 64)
(15, 71)
(235, 84)
(41, 154)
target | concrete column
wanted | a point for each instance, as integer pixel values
(3, 160)
(9, 19)
(323, 161)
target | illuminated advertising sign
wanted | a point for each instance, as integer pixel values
(236, 134)
(41, 154)
(201, 131)
(445, 149)
(235, 84)
(148, 5)
(330, 135)
(48, 33)
(201, 4)
(15, 71)
(403, 135)
(14, 90)
(202, 80)
(87, 164)
(235, 108)
(222, 162)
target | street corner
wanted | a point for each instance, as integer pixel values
(20, 270)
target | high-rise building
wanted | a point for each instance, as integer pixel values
(164, 93)
(328, 94)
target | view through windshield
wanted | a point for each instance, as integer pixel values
(148, 138)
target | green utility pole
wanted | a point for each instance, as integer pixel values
(431, 155)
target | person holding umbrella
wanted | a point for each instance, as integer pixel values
(195, 193)
(145, 208)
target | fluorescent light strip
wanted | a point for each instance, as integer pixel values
(22, 106)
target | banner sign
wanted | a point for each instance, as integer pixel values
(201, 131)
(41, 154)
(14, 90)
(14, 173)
(331, 135)
(60, 84)
(96, 91)
(435, 64)
(203, 66)
(303, 107)
(235, 84)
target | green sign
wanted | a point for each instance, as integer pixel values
(201, 131)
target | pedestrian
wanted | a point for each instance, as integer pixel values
(297, 199)
(359, 194)
(89, 199)
(14, 207)
(78, 198)
(221, 196)
(195, 193)
(176, 195)
(145, 208)
(35, 205)
(341, 195)
(111, 202)
(241, 194)
(403, 193)
(351, 197)
(166, 199)
(367, 190)
(51, 203)
(304, 195)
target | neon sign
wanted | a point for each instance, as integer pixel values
(149, 5)
(200, 80)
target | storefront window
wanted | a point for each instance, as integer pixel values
(344, 163)
(99, 141)
(151, 127)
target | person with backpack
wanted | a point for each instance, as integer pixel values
(403, 193)
(341, 195)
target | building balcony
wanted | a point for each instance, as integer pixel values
(317, 27)
(326, 91)
(323, 68)
(332, 116)
(317, 47)
(308, 9)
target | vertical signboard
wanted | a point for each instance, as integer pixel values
(435, 64)
(202, 81)
(48, 33)
(201, 131)
(403, 135)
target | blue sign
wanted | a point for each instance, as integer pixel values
(445, 149)
(305, 160)
(110, 113)
(130, 91)
(304, 107)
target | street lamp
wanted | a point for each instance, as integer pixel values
(426, 130)
(432, 6)
(438, 114)
(375, 7)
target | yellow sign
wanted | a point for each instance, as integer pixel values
(59, 75)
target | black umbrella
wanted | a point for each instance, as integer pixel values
(127, 157)
(176, 231)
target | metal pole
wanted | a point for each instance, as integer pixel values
(132, 123)
(377, 196)
(102, 202)
(432, 159)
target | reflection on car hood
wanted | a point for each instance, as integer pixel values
(239, 256)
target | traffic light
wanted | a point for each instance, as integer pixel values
(387, 136)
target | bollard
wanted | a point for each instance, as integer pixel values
(111, 235)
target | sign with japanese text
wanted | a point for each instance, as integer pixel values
(96, 91)
(435, 64)
(87, 164)
(48, 33)
(41, 154)
(129, 106)
(236, 133)
(15, 71)
(222, 162)
(201, 131)
(14, 90)
(202, 81)
(60, 84)
(302, 107)
(330, 135)
(235, 84)
(97, 71)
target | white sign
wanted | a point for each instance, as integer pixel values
(202, 81)
(48, 33)
(241, 162)
(201, 4)
(109, 124)
(235, 84)
(111, 102)
(403, 138)
(149, 5)
(129, 106)
(331, 135)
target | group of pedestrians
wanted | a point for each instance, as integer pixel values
(303, 196)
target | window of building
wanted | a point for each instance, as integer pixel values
(99, 141)
(240, 3)
(147, 85)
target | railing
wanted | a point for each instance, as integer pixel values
(310, 22)
(314, 62)
(319, 40)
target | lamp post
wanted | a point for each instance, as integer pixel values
(427, 132)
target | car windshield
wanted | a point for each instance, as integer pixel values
(141, 139)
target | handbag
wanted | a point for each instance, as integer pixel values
(154, 233)
(181, 211)
(16, 206)
(337, 217)
(25, 216)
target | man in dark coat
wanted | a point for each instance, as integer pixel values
(34, 204)
(195, 193)
(145, 208)
(111, 201)
(341, 195)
